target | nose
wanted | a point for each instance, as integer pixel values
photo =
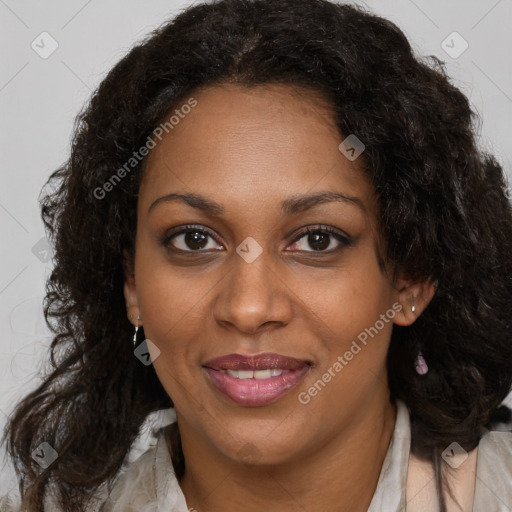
(253, 297)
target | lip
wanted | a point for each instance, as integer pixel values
(256, 392)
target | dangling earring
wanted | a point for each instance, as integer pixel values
(420, 365)
(135, 333)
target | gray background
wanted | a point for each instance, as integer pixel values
(39, 98)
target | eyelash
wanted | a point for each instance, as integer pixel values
(344, 240)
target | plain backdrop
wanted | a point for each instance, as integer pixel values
(41, 93)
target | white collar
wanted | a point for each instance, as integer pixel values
(390, 492)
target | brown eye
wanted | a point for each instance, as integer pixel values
(195, 240)
(321, 239)
(191, 239)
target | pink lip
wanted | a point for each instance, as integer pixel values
(254, 392)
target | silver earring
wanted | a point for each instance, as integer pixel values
(135, 333)
(413, 308)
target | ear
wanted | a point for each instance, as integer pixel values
(130, 292)
(414, 297)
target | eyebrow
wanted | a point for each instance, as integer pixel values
(293, 205)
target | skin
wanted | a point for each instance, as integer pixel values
(249, 149)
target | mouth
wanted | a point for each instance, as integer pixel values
(256, 380)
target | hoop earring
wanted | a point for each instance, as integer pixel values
(135, 333)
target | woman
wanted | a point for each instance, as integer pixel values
(287, 214)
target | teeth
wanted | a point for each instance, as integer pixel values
(241, 374)
(258, 374)
(262, 374)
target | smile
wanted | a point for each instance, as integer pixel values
(255, 380)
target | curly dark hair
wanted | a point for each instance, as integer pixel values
(445, 215)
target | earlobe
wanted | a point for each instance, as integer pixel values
(414, 297)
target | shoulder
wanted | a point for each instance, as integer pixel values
(132, 490)
(135, 488)
(479, 480)
(494, 471)
(495, 449)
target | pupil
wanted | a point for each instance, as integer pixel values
(195, 240)
(318, 238)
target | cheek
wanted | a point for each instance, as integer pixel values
(170, 312)
(357, 313)
(350, 300)
(172, 308)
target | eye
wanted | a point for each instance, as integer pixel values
(191, 239)
(321, 239)
(197, 239)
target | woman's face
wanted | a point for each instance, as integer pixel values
(247, 279)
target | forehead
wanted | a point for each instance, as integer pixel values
(261, 144)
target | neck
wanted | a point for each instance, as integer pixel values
(342, 475)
